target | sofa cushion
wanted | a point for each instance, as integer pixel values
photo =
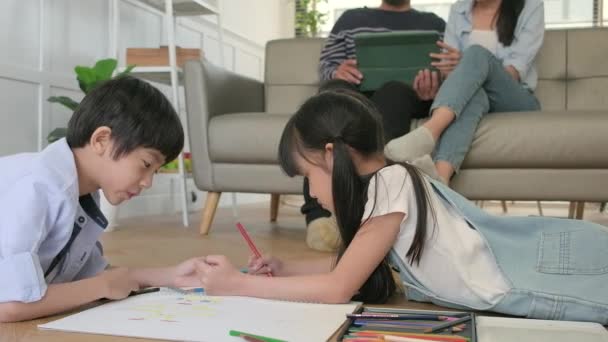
(527, 140)
(560, 139)
(247, 138)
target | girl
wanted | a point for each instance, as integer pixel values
(496, 73)
(446, 249)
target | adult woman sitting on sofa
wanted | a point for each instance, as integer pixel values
(496, 73)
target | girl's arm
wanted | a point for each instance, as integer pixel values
(369, 247)
(312, 266)
(288, 268)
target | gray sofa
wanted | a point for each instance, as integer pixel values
(560, 153)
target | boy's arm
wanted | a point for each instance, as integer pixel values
(180, 275)
(113, 284)
(154, 276)
(58, 298)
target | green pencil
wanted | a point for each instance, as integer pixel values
(258, 337)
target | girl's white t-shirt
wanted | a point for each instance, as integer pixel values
(456, 264)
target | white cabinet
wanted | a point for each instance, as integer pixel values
(169, 75)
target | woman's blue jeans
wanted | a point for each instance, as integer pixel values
(479, 85)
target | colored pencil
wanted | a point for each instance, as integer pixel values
(398, 316)
(373, 309)
(391, 338)
(430, 337)
(395, 323)
(449, 324)
(252, 246)
(257, 337)
(198, 290)
(144, 291)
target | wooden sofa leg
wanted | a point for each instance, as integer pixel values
(580, 210)
(571, 210)
(504, 206)
(274, 207)
(540, 208)
(213, 198)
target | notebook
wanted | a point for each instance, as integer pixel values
(397, 55)
(500, 329)
(169, 315)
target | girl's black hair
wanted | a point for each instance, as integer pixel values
(506, 19)
(349, 120)
(138, 114)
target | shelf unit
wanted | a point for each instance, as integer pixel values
(169, 75)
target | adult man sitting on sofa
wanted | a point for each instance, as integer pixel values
(397, 102)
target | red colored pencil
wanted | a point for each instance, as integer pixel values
(254, 249)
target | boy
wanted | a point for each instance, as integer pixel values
(50, 257)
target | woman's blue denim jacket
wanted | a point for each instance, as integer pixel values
(528, 37)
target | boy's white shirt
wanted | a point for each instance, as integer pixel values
(39, 204)
(456, 264)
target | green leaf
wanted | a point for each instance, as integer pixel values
(64, 100)
(86, 78)
(104, 69)
(126, 71)
(57, 134)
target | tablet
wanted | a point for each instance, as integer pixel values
(394, 56)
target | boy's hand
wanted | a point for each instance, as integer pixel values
(184, 274)
(264, 265)
(218, 276)
(117, 283)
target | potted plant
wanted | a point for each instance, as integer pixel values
(88, 78)
(308, 18)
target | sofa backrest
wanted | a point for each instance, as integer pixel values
(292, 74)
(572, 67)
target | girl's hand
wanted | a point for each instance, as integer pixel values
(264, 265)
(218, 276)
(117, 283)
(184, 274)
(448, 60)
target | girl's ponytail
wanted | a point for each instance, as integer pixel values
(349, 191)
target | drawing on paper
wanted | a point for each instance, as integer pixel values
(184, 306)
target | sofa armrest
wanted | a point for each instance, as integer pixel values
(212, 91)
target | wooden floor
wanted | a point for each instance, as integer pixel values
(162, 240)
(157, 241)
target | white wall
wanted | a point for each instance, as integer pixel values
(558, 13)
(42, 41)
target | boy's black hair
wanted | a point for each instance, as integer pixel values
(138, 114)
(349, 120)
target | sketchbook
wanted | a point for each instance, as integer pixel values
(169, 315)
(500, 329)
